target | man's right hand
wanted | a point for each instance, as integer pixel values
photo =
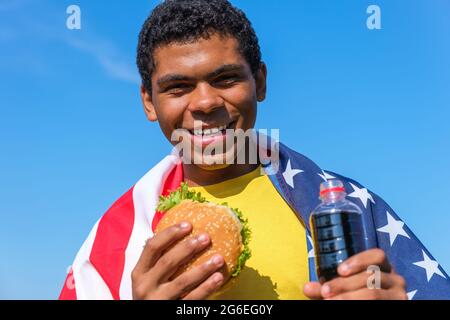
(161, 259)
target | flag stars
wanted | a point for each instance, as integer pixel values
(394, 228)
(362, 194)
(326, 176)
(431, 267)
(311, 252)
(411, 294)
(290, 173)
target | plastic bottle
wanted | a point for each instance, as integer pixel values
(337, 230)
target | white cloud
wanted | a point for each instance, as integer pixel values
(25, 22)
(108, 57)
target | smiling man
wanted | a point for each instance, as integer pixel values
(202, 77)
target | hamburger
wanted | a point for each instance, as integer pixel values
(227, 228)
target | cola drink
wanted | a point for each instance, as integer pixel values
(337, 230)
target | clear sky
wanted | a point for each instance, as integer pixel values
(372, 105)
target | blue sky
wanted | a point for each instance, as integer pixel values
(369, 104)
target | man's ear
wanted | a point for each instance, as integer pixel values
(147, 102)
(261, 84)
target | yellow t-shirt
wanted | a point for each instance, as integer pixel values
(278, 267)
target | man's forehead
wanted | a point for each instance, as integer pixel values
(202, 55)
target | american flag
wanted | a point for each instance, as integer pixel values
(298, 180)
(102, 268)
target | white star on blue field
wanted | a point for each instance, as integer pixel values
(367, 104)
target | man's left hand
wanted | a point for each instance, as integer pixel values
(352, 282)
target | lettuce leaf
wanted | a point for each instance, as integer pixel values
(246, 235)
(175, 197)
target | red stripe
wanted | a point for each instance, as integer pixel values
(112, 237)
(113, 233)
(172, 182)
(68, 292)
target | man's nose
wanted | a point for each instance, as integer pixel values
(205, 99)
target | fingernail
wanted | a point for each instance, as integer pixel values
(344, 268)
(217, 278)
(217, 260)
(326, 290)
(203, 238)
(184, 225)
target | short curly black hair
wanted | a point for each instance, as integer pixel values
(184, 21)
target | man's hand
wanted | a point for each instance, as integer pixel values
(161, 259)
(352, 281)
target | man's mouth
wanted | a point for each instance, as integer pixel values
(208, 131)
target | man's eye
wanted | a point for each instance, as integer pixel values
(178, 88)
(226, 81)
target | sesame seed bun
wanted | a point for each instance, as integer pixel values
(222, 225)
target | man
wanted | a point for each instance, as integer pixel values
(202, 75)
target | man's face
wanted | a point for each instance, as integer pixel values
(207, 82)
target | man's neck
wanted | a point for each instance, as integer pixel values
(196, 176)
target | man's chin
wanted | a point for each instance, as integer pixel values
(213, 162)
(213, 167)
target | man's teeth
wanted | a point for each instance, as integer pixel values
(209, 132)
